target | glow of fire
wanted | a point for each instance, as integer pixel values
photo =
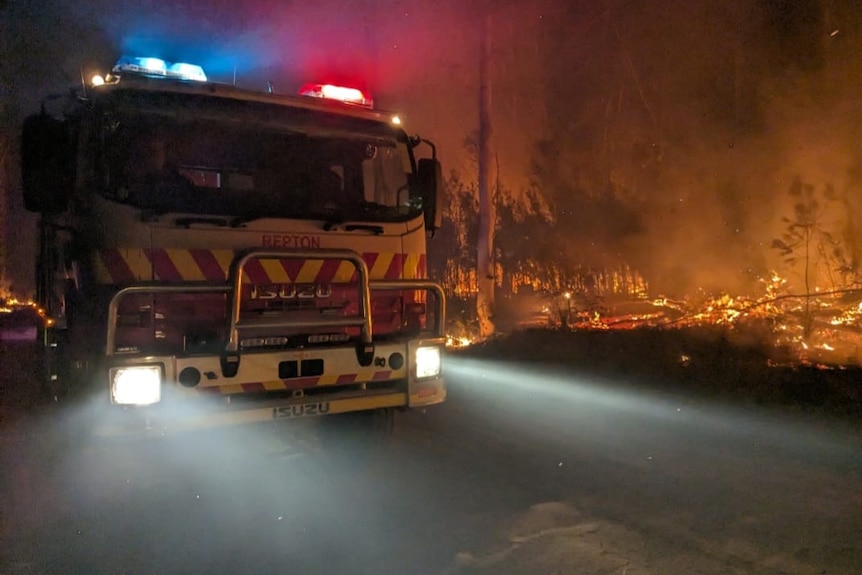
(458, 341)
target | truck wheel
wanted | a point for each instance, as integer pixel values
(359, 437)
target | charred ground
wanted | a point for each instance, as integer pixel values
(703, 362)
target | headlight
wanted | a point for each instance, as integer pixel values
(428, 362)
(139, 385)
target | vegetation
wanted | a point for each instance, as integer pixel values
(652, 169)
(811, 250)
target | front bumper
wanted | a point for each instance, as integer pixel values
(257, 393)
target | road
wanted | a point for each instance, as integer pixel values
(521, 471)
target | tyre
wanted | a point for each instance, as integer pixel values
(357, 439)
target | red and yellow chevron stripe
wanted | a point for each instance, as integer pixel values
(129, 265)
(297, 383)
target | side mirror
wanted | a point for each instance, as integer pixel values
(47, 173)
(430, 178)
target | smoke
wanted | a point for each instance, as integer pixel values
(768, 100)
(695, 117)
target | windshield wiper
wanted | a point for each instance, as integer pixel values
(188, 222)
(241, 221)
(376, 230)
(371, 206)
(333, 226)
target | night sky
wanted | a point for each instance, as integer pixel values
(699, 115)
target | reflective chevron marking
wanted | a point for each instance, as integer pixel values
(124, 265)
(296, 383)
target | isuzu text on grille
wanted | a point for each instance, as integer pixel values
(291, 291)
(300, 410)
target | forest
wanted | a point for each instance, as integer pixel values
(659, 160)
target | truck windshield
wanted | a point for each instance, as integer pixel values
(251, 160)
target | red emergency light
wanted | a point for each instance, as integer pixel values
(339, 93)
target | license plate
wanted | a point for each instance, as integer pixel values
(305, 410)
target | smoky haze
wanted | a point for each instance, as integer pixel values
(694, 118)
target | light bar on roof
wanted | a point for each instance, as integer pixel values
(159, 68)
(338, 93)
(187, 71)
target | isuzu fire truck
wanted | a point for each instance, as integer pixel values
(211, 255)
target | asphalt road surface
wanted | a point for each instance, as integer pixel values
(521, 471)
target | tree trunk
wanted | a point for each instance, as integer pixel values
(485, 259)
(5, 144)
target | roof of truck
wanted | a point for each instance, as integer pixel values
(231, 92)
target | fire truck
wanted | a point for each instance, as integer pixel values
(212, 255)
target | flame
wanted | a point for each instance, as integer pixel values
(818, 329)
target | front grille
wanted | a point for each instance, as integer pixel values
(304, 368)
(268, 398)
